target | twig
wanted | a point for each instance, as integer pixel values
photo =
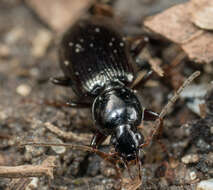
(85, 138)
(46, 168)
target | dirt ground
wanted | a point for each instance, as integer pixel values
(28, 58)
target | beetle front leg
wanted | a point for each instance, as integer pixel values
(69, 103)
(150, 115)
(97, 139)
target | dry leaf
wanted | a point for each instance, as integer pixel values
(202, 15)
(175, 24)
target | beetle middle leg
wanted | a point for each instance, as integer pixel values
(141, 79)
(63, 81)
(59, 104)
(137, 44)
(69, 103)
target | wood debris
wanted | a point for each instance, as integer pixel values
(45, 169)
(176, 25)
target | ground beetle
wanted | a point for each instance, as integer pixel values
(97, 62)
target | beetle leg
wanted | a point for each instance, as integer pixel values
(150, 115)
(140, 79)
(137, 44)
(97, 139)
(63, 81)
(59, 104)
(69, 103)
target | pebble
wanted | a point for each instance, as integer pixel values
(41, 42)
(23, 90)
(33, 184)
(58, 149)
(14, 35)
(205, 185)
(190, 158)
(4, 51)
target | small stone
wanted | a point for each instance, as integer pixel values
(14, 35)
(193, 175)
(23, 90)
(4, 51)
(191, 158)
(33, 184)
(205, 185)
(211, 130)
(41, 42)
(58, 149)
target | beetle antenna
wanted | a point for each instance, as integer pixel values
(159, 121)
(177, 93)
(112, 158)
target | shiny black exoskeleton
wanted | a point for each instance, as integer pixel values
(97, 64)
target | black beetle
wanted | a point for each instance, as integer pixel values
(97, 63)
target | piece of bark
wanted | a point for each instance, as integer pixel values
(175, 24)
(59, 15)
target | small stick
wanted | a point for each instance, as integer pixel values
(85, 138)
(46, 168)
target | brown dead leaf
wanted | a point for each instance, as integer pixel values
(59, 15)
(175, 24)
(200, 49)
(202, 15)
